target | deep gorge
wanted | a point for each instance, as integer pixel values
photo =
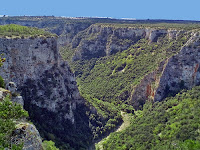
(75, 83)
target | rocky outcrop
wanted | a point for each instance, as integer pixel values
(46, 83)
(15, 97)
(104, 40)
(27, 134)
(24, 132)
(146, 90)
(178, 72)
(68, 32)
(182, 69)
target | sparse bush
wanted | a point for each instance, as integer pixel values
(2, 84)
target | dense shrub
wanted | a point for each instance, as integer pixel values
(111, 78)
(14, 31)
(49, 145)
(170, 124)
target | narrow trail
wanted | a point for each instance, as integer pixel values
(124, 125)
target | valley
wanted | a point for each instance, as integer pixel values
(133, 84)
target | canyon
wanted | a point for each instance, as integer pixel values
(47, 82)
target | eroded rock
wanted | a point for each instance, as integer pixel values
(45, 82)
(102, 40)
(27, 134)
(180, 71)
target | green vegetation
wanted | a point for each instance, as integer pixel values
(170, 124)
(49, 145)
(158, 25)
(9, 114)
(126, 123)
(2, 84)
(104, 119)
(17, 31)
(112, 78)
(107, 82)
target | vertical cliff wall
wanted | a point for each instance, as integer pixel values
(47, 85)
(181, 71)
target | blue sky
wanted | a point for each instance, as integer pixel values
(139, 9)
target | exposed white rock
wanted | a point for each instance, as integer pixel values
(182, 69)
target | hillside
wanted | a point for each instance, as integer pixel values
(170, 124)
(110, 61)
(119, 66)
(127, 65)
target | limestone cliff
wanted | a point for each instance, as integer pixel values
(177, 72)
(65, 28)
(104, 40)
(182, 69)
(46, 83)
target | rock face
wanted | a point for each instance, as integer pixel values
(182, 69)
(24, 132)
(147, 87)
(45, 82)
(178, 72)
(102, 40)
(69, 31)
(28, 135)
(37, 63)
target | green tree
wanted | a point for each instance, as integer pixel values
(49, 145)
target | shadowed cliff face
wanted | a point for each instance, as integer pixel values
(47, 85)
